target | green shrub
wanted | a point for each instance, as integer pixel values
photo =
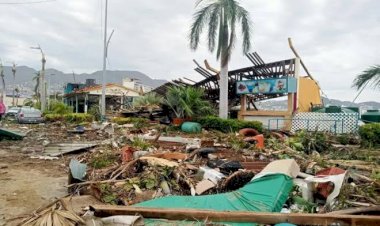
(310, 141)
(78, 117)
(53, 117)
(188, 102)
(95, 111)
(140, 144)
(58, 107)
(101, 160)
(370, 134)
(228, 125)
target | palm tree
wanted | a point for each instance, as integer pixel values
(372, 74)
(221, 16)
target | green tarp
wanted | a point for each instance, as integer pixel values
(264, 194)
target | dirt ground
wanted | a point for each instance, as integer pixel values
(27, 184)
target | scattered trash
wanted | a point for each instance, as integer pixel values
(178, 156)
(158, 161)
(337, 180)
(42, 157)
(123, 220)
(286, 166)
(211, 174)
(325, 189)
(204, 186)
(77, 129)
(258, 140)
(77, 169)
(225, 166)
(138, 154)
(10, 134)
(59, 149)
(127, 153)
(204, 152)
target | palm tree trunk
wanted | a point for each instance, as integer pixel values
(223, 88)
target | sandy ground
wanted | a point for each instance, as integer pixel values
(27, 184)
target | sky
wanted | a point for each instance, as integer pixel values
(335, 39)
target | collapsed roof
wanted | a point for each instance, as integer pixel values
(259, 70)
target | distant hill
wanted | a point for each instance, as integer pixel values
(24, 77)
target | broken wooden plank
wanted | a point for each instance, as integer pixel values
(358, 210)
(238, 216)
(59, 149)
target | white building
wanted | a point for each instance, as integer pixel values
(136, 85)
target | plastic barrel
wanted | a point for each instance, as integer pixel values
(191, 127)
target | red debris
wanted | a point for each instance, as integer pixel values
(248, 132)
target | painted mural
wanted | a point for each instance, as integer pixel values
(265, 86)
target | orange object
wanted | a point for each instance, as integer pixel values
(259, 139)
(247, 132)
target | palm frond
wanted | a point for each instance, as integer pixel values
(222, 17)
(200, 19)
(246, 28)
(371, 75)
(212, 27)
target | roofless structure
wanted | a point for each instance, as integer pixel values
(260, 81)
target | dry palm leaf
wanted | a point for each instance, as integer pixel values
(55, 216)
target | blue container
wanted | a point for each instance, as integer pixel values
(191, 127)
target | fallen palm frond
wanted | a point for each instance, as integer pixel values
(54, 215)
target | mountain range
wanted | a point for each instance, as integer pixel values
(282, 104)
(57, 79)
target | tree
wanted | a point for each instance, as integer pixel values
(221, 17)
(371, 75)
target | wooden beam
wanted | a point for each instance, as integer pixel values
(236, 216)
(208, 67)
(296, 54)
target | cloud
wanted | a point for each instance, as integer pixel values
(336, 39)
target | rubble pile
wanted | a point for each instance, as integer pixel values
(129, 165)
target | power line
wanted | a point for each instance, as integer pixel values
(26, 3)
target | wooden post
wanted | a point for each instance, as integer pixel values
(76, 103)
(86, 103)
(243, 106)
(236, 216)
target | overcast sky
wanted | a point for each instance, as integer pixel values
(336, 39)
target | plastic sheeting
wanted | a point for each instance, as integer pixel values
(264, 194)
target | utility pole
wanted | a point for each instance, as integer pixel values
(42, 80)
(103, 102)
(74, 77)
(14, 83)
(105, 54)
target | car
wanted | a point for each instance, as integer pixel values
(12, 111)
(29, 115)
